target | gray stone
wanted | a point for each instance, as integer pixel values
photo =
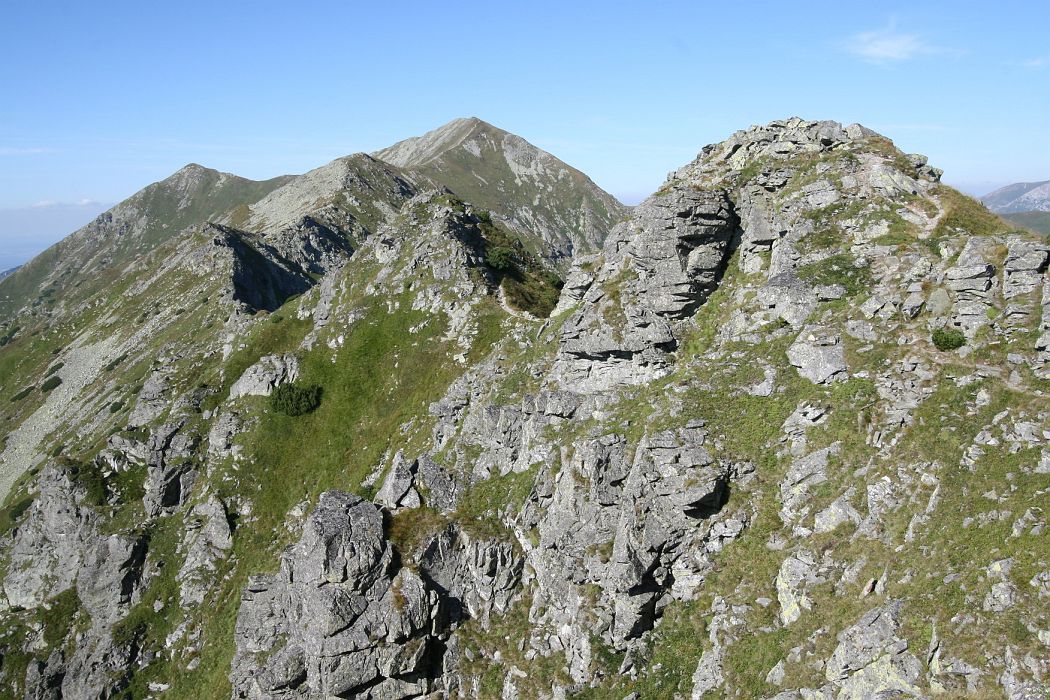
(266, 375)
(339, 619)
(818, 355)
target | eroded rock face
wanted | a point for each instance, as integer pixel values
(49, 548)
(641, 531)
(657, 267)
(339, 619)
(477, 577)
(205, 543)
(59, 545)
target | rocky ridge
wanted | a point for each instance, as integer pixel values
(783, 435)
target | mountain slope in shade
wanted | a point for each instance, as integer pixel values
(527, 187)
(98, 253)
(1018, 197)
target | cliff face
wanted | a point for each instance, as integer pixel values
(782, 435)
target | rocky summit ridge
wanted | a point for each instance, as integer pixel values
(782, 431)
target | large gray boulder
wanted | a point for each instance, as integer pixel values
(818, 355)
(872, 659)
(339, 619)
(266, 375)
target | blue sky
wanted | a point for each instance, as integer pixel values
(99, 99)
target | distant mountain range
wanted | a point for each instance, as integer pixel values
(5, 273)
(1018, 197)
(1024, 203)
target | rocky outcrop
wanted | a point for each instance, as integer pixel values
(59, 546)
(49, 548)
(657, 267)
(406, 481)
(207, 540)
(641, 531)
(476, 577)
(171, 468)
(340, 618)
(266, 375)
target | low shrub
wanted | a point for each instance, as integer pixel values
(500, 258)
(50, 383)
(112, 365)
(54, 368)
(116, 406)
(948, 339)
(295, 399)
(22, 394)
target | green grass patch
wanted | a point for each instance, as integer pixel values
(967, 215)
(480, 506)
(840, 269)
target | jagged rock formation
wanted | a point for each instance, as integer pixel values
(783, 435)
(340, 619)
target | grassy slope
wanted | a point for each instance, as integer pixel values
(1038, 221)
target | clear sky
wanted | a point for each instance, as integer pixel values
(99, 99)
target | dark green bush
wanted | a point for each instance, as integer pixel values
(113, 363)
(116, 406)
(948, 338)
(50, 383)
(22, 394)
(54, 368)
(500, 258)
(86, 475)
(8, 335)
(295, 399)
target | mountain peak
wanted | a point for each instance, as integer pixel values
(420, 150)
(530, 189)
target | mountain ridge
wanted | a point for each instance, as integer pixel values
(1019, 197)
(785, 434)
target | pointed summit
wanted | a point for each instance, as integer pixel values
(419, 150)
(530, 189)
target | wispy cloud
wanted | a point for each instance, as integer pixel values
(53, 203)
(883, 46)
(4, 151)
(1038, 62)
